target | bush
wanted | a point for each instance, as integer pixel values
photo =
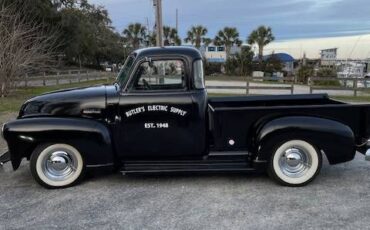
(327, 73)
(231, 66)
(304, 73)
(212, 68)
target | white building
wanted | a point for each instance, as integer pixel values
(348, 47)
(215, 53)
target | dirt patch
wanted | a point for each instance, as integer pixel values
(5, 117)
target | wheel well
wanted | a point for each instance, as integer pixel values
(269, 144)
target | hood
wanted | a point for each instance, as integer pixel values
(76, 102)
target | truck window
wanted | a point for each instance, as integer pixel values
(198, 74)
(160, 75)
(123, 74)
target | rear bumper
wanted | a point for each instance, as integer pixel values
(4, 158)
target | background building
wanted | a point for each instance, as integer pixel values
(214, 54)
(328, 57)
(347, 47)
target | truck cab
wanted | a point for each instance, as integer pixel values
(162, 104)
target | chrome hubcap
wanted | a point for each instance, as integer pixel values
(59, 165)
(295, 162)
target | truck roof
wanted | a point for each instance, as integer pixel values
(190, 52)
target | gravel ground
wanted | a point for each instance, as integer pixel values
(338, 199)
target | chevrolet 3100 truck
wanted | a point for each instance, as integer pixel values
(157, 118)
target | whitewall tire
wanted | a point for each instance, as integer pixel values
(295, 163)
(57, 165)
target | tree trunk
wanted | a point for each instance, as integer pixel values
(260, 56)
(227, 48)
(3, 89)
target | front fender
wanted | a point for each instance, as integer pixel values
(336, 139)
(90, 137)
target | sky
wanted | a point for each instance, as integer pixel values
(289, 19)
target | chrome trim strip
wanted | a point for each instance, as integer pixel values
(99, 165)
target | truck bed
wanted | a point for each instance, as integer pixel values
(274, 100)
(235, 118)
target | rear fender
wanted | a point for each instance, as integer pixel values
(90, 137)
(334, 138)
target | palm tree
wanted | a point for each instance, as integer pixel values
(196, 36)
(134, 34)
(170, 36)
(152, 39)
(227, 37)
(262, 36)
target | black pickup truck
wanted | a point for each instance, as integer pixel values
(157, 118)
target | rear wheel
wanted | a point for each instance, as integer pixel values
(295, 163)
(57, 165)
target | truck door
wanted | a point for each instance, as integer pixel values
(158, 113)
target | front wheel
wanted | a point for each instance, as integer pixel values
(56, 165)
(295, 163)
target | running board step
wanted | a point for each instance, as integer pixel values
(186, 166)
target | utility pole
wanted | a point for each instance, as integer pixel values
(177, 20)
(158, 19)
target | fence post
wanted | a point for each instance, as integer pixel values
(58, 78)
(355, 87)
(69, 76)
(247, 89)
(292, 86)
(79, 76)
(25, 80)
(310, 84)
(44, 79)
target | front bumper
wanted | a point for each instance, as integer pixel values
(4, 158)
(367, 155)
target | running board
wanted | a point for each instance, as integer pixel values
(237, 164)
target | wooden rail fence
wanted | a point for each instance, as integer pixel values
(287, 83)
(342, 86)
(69, 76)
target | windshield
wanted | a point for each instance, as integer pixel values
(125, 71)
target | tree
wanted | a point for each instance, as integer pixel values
(240, 63)
(152, 39)
(273, 64)
(244, 60)
(227, 37)
(134, 35)
(170, 36)
(88, 36)
(25, 46)
(262, 36)
(196, 36)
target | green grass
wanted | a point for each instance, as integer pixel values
(14, 102)
(352, 98)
